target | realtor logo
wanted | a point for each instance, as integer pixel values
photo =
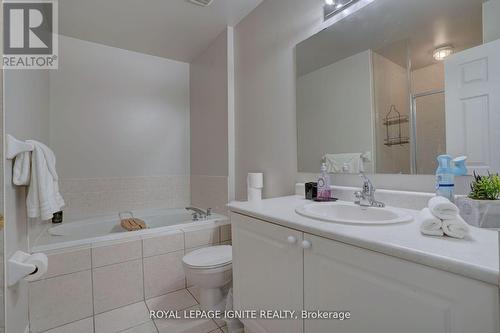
(30, 34)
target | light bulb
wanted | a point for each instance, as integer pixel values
(330, 2)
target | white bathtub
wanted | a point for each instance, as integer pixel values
(107, 228)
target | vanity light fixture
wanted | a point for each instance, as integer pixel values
(443, 52)
(332, 7)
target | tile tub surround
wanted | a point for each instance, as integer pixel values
(103, 196)
(83, 282)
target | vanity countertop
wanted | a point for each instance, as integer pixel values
(476, 256)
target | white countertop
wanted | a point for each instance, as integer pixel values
(476, 256)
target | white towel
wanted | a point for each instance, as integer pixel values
(43, 198)
(456, 228)
(21, 173)
(443, 208)
(429, 224)
(344, 163)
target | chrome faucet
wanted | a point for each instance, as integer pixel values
(366, 198)
(200, 213)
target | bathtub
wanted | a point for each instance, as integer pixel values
(107, 228)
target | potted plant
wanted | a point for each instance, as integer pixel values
(481, 207)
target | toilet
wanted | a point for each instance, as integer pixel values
(210, 269)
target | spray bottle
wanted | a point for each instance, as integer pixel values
(445, 177)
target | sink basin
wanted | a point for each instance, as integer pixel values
(349, 213)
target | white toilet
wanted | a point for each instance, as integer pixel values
(210, 269)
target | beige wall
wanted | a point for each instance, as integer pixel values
(209, 126)
(430, 117)
(391, 88)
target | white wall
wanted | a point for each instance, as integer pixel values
(335, 111)
(491, 23)
(119, 126)
(117, 113)
(266, 138)
(209, 126)
(26, 98)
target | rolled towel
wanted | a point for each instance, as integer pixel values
(456, 228)
(443, 208)
(429, 224)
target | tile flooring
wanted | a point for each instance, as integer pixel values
(134, 318)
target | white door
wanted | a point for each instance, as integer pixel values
(267, 272)
(389, 295)
(472, 84)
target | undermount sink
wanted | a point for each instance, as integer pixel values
(350, 213)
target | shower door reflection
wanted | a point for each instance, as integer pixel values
(429, 122)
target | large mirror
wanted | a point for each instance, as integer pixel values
(397, 83)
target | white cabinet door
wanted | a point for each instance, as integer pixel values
(388, 295)
(267, 272)
(472, 84)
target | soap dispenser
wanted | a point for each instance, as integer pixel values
(445, 177)
(324, 190)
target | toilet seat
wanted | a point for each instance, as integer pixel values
(210, 257)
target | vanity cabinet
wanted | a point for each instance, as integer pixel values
(268, 272)
(277, 268)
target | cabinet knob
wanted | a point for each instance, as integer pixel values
(306, 244)
(291, 240)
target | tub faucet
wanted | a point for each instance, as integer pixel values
(366, 198)
(199, 213)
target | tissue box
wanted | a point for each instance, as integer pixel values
(311, 191)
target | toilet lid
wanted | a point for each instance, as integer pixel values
(214, 256)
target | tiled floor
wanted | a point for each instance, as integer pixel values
(134, 318)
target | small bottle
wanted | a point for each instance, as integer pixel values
(445, 178)
(324, 190)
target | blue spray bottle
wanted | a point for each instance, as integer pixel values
(445, 177)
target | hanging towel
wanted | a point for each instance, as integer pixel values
(344, 163)
(429, 224)
(22, 165)
(443, 208)
(456, 228)
(43, 198)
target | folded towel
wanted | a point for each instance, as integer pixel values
(456, 228)
(344, 163)
(429, 224)
(43, 198)
(443, 208)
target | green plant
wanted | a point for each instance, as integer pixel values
(485, 187)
